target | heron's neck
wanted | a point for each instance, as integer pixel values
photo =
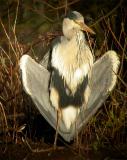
(79, 38)
(69, 59)
(73, 33)
(79, 41)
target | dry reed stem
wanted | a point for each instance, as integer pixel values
(109, 120)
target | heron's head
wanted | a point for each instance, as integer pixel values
(73, 22)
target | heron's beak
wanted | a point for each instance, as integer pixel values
(85, 28)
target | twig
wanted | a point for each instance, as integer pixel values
(118, 42)
(60, 7)
(4, 115)
(121, 93)
(14, 30)
(40, 150)
(36, 11)
(108, 14)
(125, 85)
(113, 35)
(45, 36)
(66, 3)
(18, 115)
(3, 51)
(8, 37)
(16, 15)
(123, 56)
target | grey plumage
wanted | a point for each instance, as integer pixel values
(71, 60)
(73, 66)
(102, 83)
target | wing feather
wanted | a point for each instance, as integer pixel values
(35, 80)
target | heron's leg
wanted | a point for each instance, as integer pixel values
(57, 126)
(77, 138)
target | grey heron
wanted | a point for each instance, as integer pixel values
(71, 60)
(78, 86)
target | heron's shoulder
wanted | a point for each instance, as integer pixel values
(58, 40)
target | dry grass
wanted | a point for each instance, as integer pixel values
(108, 126)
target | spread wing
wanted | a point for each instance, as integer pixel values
(35, 80)
(103, 80)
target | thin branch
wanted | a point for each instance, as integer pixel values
(108, 14)
(113, 35)
(4, 115)
(125, 85)
(16, 15)
(8, 37)
(66, 3)
(36, 11)
(14, 30)
(60, 7)
(40, 150)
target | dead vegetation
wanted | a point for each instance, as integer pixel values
(109, 126)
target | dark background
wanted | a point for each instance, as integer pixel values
(28, 27)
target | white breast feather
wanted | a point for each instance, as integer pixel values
(69, 115)
(73, 77)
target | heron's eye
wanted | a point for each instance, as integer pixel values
(78, 23)
(75, 21)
